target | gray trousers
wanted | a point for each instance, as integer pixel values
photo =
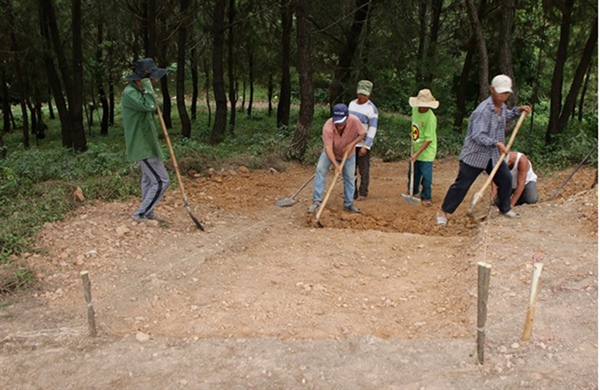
(529, 195)
(155, 181)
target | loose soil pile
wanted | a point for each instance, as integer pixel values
(381, 300)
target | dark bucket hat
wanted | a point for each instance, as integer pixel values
(146, 68)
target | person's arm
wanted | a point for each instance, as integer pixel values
(421, 149)
(515, 112)
(143, 100)
(331, 156)
(522, 169)
(356, 140)
(371, 131)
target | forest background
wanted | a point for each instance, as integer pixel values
(282, 64)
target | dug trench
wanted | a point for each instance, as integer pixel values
(262, 272)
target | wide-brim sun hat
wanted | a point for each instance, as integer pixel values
(146, 68)
(423, 99)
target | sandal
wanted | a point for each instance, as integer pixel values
(360, 198)
(426, 203)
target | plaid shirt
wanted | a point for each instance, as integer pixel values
(486, 128)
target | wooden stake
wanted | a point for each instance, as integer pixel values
(535, 286)
(87, 291)
(483, 284)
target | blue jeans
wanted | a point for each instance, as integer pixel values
(348, 172)
(423, 179)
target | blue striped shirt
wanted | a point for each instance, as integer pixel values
(368, 115)
(486, 128)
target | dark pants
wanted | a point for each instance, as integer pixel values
(363, 165)
(422, 180)
(467, 175)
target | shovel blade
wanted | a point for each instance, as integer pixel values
(285, 202)
(410, 199)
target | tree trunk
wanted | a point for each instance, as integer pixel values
(559, 71)
(463, 83)
(150, 36)
(3, 150)
(270, 94)
(343, 69)
(481, 49)
(76, 101)
(218, 29)
(194, 74)
(186, 125)
(99, 77)
(461, 94)
(583, 92)
(111, 101)
(436, 12)
(285, 93)
(5, 104)
(231, 67)
(32, 115)
(55, 85)
(422, 41)
(46, 14)
(72, 76)
(25, 120)
(251, 82)
(504, 52)
(584, 63)
(307, 99)
(207, 90)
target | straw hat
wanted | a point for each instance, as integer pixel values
(423, 99)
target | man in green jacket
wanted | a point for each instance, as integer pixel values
(141, 137)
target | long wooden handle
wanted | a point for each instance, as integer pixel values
(497, 166)
(411, 185)
(322, 206)
(166, 133)
(303, 185)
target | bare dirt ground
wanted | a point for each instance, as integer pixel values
(263, 299)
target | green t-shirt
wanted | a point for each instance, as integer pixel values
(139, 107)
(424, 128)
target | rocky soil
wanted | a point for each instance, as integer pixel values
(264, 299)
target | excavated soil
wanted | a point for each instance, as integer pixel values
(265, 299)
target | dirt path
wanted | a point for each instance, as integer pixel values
(381, 300)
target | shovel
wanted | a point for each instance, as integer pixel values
(286, 202)
(316, 222)
(410, 198)
(185, 199)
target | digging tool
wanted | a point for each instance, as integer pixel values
(572, 173)
(185, 199)
(479, 194)
(409, 198)
(285, 202)
(316, 222)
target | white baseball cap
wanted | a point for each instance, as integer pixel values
(502, 83)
